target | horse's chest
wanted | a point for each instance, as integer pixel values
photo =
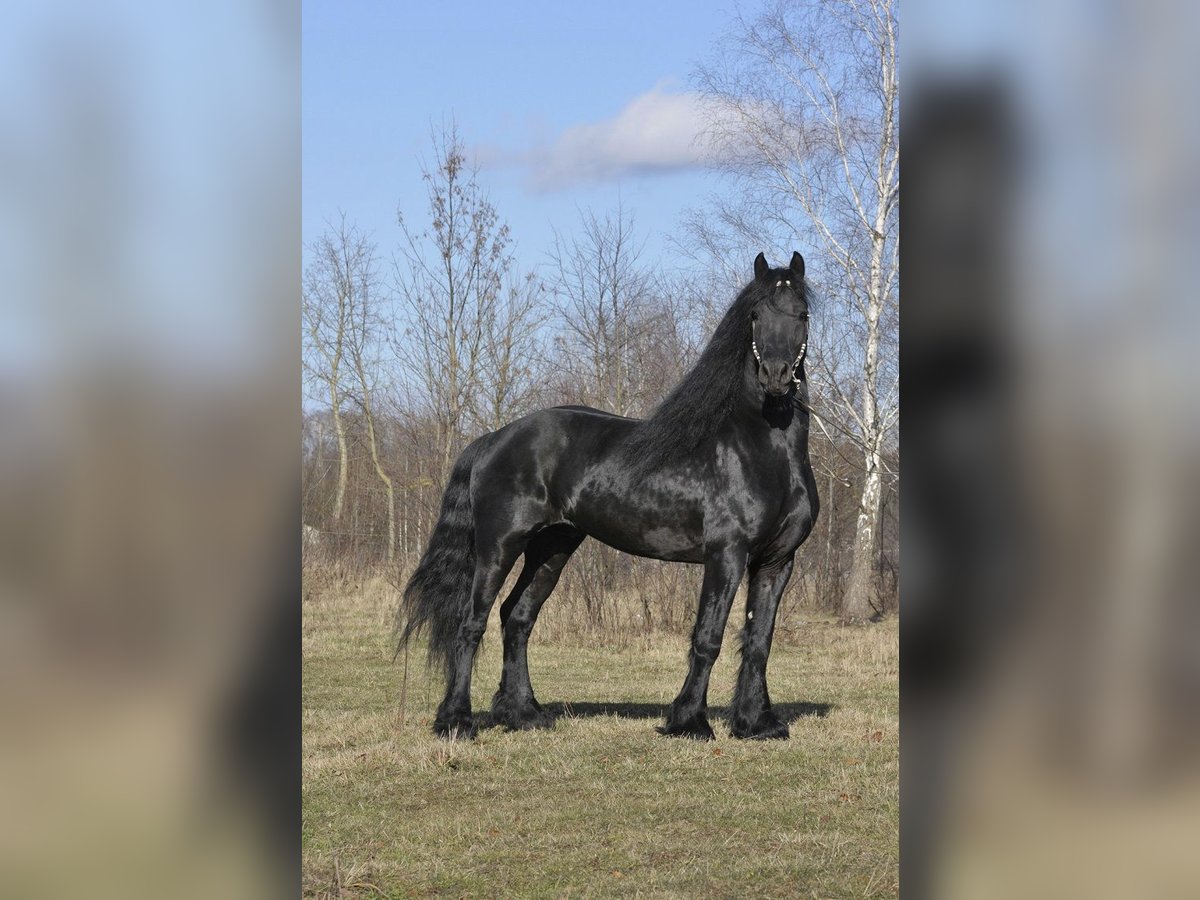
(761, 495)
(787, 511)
(797, 513)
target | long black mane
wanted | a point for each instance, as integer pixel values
(706, 396)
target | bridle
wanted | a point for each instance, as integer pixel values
(758, 359)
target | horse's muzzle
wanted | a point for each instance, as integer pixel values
(775, 378)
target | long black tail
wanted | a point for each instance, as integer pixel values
(439, 591)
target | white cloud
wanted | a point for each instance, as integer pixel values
(658, 131)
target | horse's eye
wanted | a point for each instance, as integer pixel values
(788, 283)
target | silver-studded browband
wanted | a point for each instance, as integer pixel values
(758, 359)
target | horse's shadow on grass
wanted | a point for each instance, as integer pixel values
(788, 712)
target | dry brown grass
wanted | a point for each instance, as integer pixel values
(602, 805)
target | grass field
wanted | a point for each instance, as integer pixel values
(601, 805)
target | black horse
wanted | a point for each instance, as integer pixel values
(719, 474)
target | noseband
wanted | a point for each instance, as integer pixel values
(758, 359)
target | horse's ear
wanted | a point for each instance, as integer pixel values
(760, 266)
(797, 266)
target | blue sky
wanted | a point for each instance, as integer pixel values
(570, 106)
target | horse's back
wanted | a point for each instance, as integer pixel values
(558, 430)
(532, 464)
(565, 465)
(591, 411)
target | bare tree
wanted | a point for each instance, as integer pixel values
(805, 102)
(603, 295)
(364, 334)
(329, 285)
(450, 284)
(511, 358)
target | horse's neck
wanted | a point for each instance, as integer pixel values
(794, 430)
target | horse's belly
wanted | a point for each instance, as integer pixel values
(663, 530)
(657, 543)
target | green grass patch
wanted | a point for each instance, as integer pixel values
(601, 805)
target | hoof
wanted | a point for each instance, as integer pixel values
(768, 727)
(461, 728)
(695, 727)
(521, 717)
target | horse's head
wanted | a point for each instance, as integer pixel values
(779, 324)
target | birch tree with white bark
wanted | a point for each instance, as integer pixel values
(804, 103)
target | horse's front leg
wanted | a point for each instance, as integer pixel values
(687, 717)
(751, 716)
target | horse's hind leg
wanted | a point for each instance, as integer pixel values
(492, 566)
(514, 705)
